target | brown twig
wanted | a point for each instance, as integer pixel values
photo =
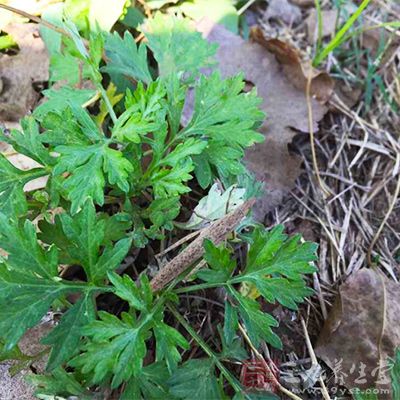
(216, 232)
(314, 360)
(267, 367)
(36, 19)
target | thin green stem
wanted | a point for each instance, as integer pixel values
(229, 377)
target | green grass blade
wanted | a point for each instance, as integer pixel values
(337, 40)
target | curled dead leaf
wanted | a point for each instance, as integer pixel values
(362, 331)
(296, 70)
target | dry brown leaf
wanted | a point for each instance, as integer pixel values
(329, 18)
(362, 330)
(19, 72)
(284, 105)
(296, 70)
(283, 10)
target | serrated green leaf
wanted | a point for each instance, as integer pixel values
(52, 39)
(87, 180)
(65, 337)
(126, 58)
(116, 226)
(223, 112)
(144, 113)
(127, 290)
(220, 261)
(149, 384)
(115, 346)
(31, 297)
(62, 128)
(133, 17)
(59, 99)
(12, 182)
(195, 379)
(170, 182)
(65, 67)
(117, 168)
(202, 170)
(85, 232)
(176, 46)
(111, 258)
(167, 341)
(257, 323)
(24, 252)
(59, 383)
(28, 142)
(188, 148)
(161, 213)
(273, 252)
(88, 165)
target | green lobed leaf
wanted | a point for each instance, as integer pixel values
(59, 99)
(176, 46)
(31, 297)
(170, 182)
(28, 142)
(224, 113)
(138, 298)
(86, 233)
(144, 113)
(114, 347)
(65, 337)
(195, 379)
(125, 58)
(219, 260)
(168, 340)
(150, 383)
(12, 182)
(257, 323)
(25, 254)
(59, 383)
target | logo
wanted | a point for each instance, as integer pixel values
(259, 375)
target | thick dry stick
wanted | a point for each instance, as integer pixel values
(216, 232)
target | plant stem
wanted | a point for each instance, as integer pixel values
(229, 377)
